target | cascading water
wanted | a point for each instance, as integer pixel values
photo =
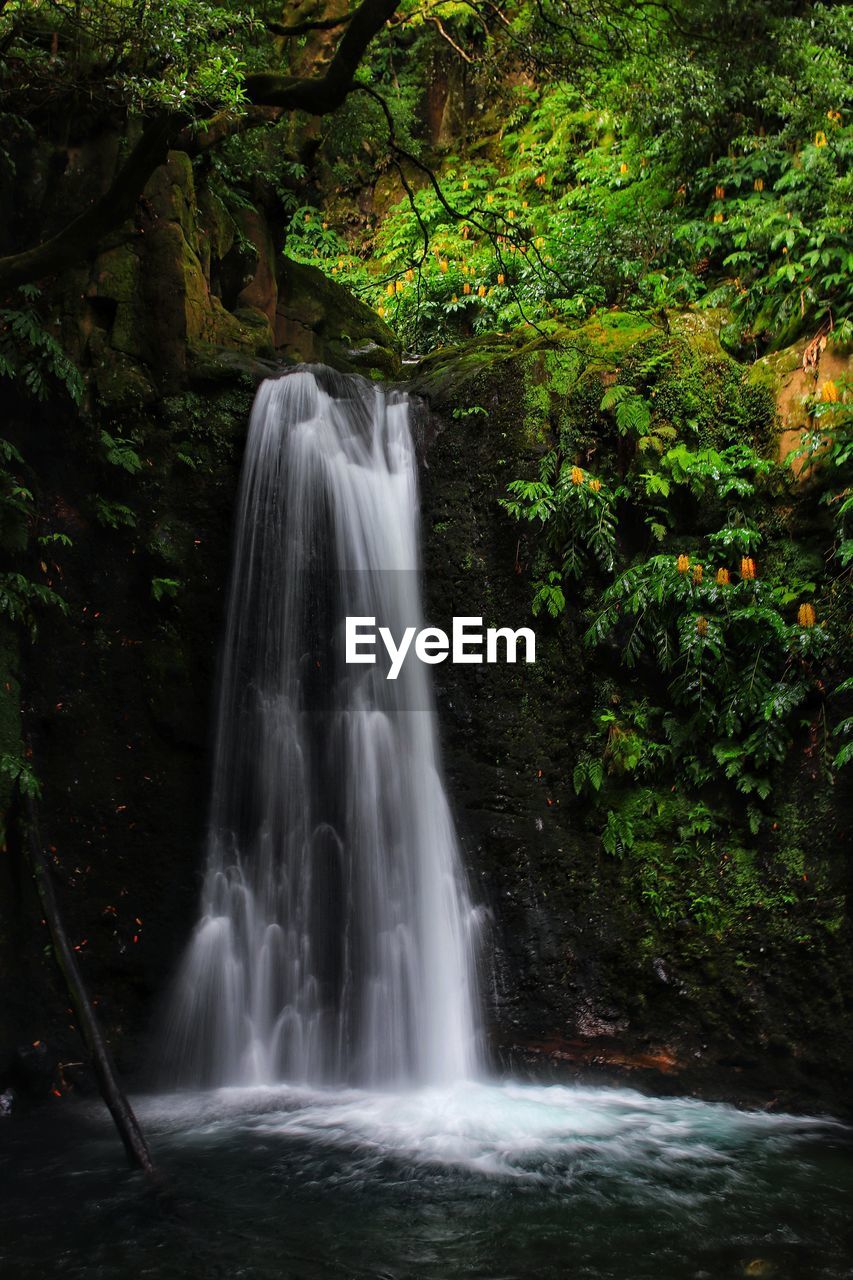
(336, 938)
(335, 945)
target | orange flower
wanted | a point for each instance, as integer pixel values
(443, 264)
(380, 311)
(541, 180)
(501, 278)
(718, 217)
(595, 485)
(481, 292)
(466, 288)
(829, 392)
(682, 564)
(719, 193)
(702, 625)
(400, 286)
(410, 275)
(623, 168)
(466, 231)
(820, 138)
(747, 568)
(577, 475)
(758, 185)
(697, 573)
(806, 615)
(723, 577)
(389, 289)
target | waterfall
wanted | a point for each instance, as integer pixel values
(336, 940)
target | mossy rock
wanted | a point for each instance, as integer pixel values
(120, 381)
(318, 320)
(792, 377)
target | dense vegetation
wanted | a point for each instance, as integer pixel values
(482, 175)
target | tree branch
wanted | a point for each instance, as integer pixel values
(436, 22)
(310, 24)
(400, 153)
(133, 1139)
(320, 95)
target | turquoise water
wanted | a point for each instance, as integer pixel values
(487, 1181)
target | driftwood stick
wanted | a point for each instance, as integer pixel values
(119, 1108)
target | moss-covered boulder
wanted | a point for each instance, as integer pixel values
(317, 320)
(794, 376)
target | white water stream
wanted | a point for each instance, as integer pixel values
(336, 940)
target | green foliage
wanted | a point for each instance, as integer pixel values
(689, 870)
(17, 770)
(844, 730)
(165, 588)
(737, 670)
(181, 55)
(120, 453)
(21, 598)
(576, 513)
(30, 355)
(719, 674)
(825, 455)
(646, 165)
(115, 515)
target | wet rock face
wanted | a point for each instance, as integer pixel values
(197, 289)
(512, 733)
(578, 972)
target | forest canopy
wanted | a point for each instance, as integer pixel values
(688, 152)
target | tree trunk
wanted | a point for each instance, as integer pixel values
(120, 1109)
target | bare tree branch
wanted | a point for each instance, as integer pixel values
(436, 22)
(132, 1137)
(510, 230)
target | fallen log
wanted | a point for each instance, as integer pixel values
(125, 1120)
